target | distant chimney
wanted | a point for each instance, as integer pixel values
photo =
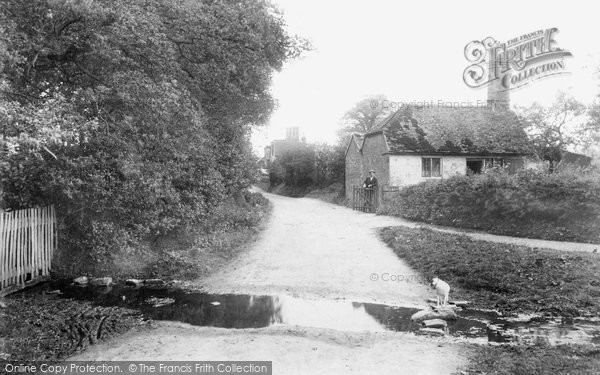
(292, 134)
(497, 95)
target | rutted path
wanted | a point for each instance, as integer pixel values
(313, 250)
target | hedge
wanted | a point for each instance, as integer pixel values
(563, 206)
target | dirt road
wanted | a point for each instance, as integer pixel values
(318, 250)
(314, 251)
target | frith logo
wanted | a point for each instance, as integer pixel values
(514, 63)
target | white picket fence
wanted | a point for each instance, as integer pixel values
(27, 243)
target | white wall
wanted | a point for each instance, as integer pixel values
(406, 169)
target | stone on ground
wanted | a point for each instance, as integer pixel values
(154, 282)
(134, 282)
(102, 281)
(434, 323)
(431, 331)
(83, 280)
(441, 313)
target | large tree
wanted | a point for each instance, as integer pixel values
(364, 115)
(590, 130)
(133, 117)
(551, 127)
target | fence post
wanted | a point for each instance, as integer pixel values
(2, 249)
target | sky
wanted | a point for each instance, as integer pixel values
(414, 51)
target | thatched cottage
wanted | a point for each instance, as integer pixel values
(433, 143)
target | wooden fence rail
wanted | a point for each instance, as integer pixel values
(27, 243)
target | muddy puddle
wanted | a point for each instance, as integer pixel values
(249, 311)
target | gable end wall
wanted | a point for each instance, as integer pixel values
(373, 149)
(354, 168)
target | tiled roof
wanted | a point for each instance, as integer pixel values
(452, 131)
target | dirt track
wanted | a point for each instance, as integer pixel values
(311, 250)
(318, 250)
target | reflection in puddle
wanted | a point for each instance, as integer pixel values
(248, 311)
(338, 315)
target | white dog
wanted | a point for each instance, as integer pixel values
(442, 289)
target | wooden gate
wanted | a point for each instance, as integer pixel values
(27, 243)
(365, 199)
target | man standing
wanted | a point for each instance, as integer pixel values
(371, 181)
(371, 196)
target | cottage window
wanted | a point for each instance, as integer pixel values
(431, 167)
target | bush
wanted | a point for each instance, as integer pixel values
(131, 135)
(302, 171)
(561, 206)
(296, 167)
(330, 164)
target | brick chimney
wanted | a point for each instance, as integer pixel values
(497, 94)
(292, 134)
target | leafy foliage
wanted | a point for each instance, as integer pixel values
(132, 117)
(363, 116)
(330, 164)
(591, 128)
(549, 127)
(295, 168)
(191, 253)
(317, 170)
(560, 206)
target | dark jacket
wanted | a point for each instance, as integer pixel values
(370, 182)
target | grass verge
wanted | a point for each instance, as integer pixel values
(192, 254)
(508, 278)
(511, 279)
(534, 360)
